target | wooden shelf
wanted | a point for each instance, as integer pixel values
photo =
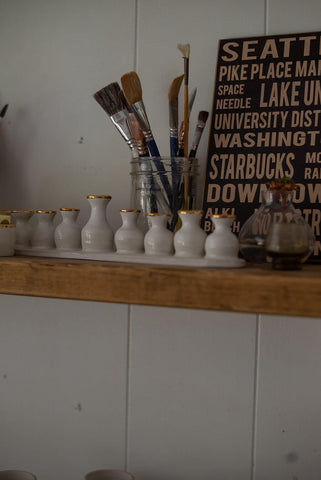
(250, 289)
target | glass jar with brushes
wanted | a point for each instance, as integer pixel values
(163, 185)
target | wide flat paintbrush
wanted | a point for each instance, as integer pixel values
(110, 100)
(140, 139)
(149, 202)
(173, 113)
(201, 122)
(133, 92)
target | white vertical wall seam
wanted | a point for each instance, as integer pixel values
(136, 36)
(266, 17)
(255, 395)
(129, 311)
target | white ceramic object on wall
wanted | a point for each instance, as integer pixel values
(189, 240)
(68, 232)
(222, 246)
(7, 239)
(129, 238)
(23, 228)
(43, 234)
(158, 240)
(97, 235)
(104, 474)
(16, 475)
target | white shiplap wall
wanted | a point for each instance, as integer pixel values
(165, 393)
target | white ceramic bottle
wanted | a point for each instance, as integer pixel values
(129, 238)
(68, 231)
(20, 219)
(158, 240)
(7, 239)
(43, 234)
(189, 240)
(97, 235)
(222, 246)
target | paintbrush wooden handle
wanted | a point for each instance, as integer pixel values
(186, 127)
(186, 120)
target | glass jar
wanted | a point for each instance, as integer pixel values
(276, 208)
(163, 185)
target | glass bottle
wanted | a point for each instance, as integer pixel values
(276, 208)
(150, 175)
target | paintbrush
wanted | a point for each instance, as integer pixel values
(133, 92)
(173, 113)
(185, 51)
(201, 122)
(110, 100)
(3, 112)
(140, 139)
(181, 131)
(149, 202)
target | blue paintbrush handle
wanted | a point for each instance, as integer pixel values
(153, 150)
(174, 146)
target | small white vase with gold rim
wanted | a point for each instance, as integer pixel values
(43, 234)
(7, 239)
(20, 218)
(189, 240)
(68, 231)
(158, 240)
(97, 235)
(129, 238)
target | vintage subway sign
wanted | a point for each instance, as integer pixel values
(265, 124)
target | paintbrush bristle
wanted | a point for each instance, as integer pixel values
(174, 88)
(109, 98)
(202, 116)
(131, 87)
(184, 49)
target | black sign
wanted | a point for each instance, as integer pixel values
(266, 124)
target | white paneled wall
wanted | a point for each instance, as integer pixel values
(63, 369)
(191, 394)
(166, 393)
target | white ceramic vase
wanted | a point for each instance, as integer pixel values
(158, 240)
(222, 244)
(97, 235)
(129, 238)
(7, 239)
(189, 240)
(43, 234)
(20, 219)
(68, 232)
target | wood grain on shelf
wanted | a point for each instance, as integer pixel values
(250, 289)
